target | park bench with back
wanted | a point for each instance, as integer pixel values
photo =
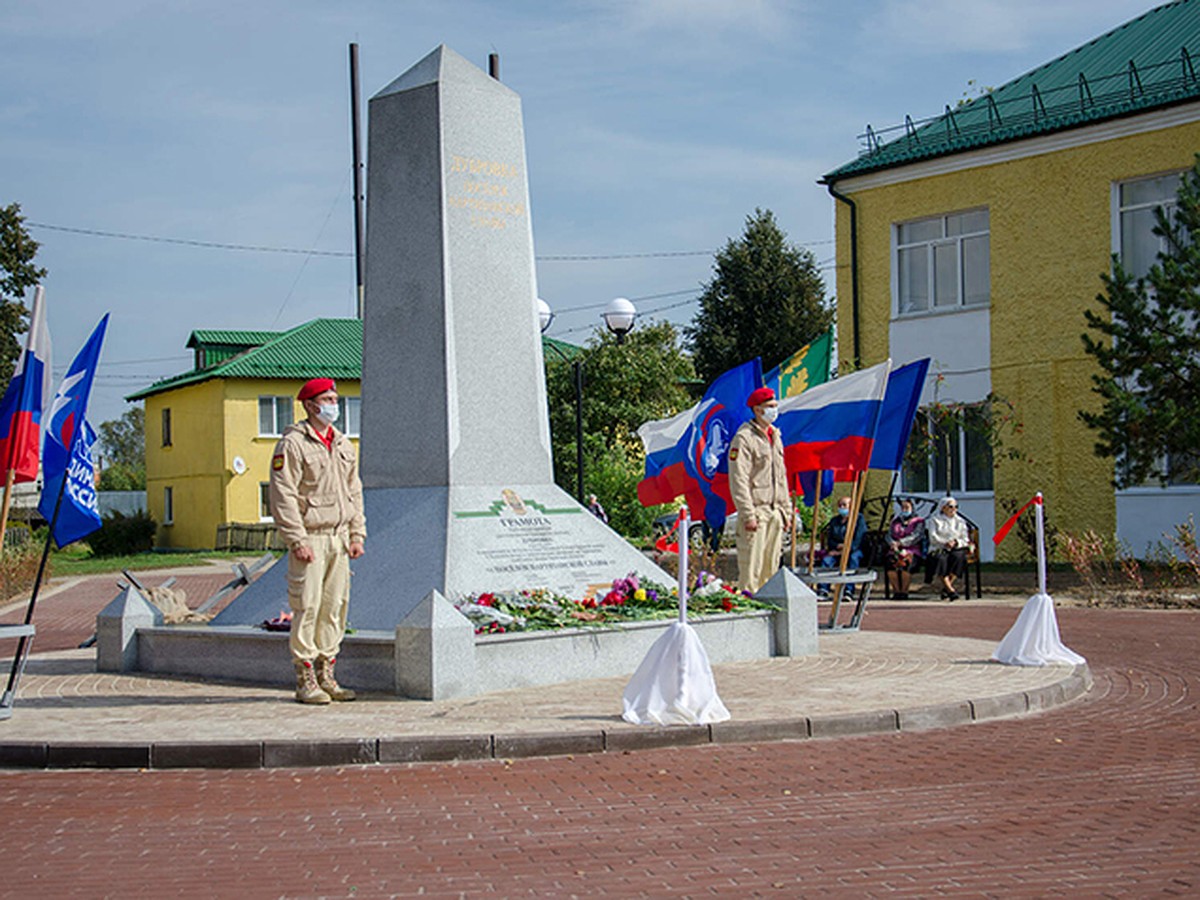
(878, 512)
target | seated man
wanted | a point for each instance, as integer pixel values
(833, 538)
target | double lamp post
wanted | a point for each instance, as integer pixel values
(618, 317)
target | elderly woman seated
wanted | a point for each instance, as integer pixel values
(949, 544)
(906, 542)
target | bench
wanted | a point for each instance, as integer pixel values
(878, 512)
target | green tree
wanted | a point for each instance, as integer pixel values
(625, 385)
(17, 274)
(1149, 354)
(765, 299)
(123, 452)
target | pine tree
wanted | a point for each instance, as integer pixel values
(1150, 354)
(765, 299)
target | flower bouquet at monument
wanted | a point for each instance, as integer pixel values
(628, 599)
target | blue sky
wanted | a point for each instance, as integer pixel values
(653, 128)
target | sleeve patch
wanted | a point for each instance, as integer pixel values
(733, 454)
(277, 462)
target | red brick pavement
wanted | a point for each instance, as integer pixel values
(65, 613)
(1099, 798)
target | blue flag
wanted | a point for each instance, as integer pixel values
(896, 418)
(67, 455)
(689, 454)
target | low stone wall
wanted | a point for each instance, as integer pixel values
(435, 653)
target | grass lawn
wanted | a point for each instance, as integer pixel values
(73, 561)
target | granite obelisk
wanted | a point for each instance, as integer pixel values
(455, 446)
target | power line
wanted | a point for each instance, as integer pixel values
(259, 248)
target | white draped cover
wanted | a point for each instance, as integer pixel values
(674, 685)
(1033, 640)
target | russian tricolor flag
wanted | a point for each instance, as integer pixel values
(26, 397)
(688, 454)
(832, 426)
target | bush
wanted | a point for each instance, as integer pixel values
(121, 535)
(18, 568)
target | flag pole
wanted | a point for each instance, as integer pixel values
(683, 566)
(18, 663)
(8, 487)
(816, 517)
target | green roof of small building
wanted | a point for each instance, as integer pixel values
(1148, 63)
(330, 348)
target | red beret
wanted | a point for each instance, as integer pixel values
(760, 396)
(315, 388)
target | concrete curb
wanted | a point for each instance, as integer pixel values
(269, 754)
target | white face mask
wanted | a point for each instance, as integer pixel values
(328, 413)
(769, 414)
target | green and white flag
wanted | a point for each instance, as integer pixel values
(807, 367)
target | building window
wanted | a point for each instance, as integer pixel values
(264, 501)
(1135, 204)
(274, 415)
(166, 427)
(1136, 201)
(954, 456)
(943, 263)
(350, 415)
(168, 506)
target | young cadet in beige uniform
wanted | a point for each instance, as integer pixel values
(317, 504)
(758, 482)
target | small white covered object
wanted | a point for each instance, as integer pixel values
(674, 685)
(1033, 640)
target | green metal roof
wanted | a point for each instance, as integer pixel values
(1148, 63)
(201, 337)
(323, 347)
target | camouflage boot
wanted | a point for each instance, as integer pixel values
(307, 689)
(328, 683)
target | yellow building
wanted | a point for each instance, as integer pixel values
(979, 237)
(210, 432)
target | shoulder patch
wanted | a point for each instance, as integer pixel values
(277, 461)
(733, 453)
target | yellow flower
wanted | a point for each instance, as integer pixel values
(639, 594)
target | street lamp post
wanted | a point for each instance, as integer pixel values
(618, 316)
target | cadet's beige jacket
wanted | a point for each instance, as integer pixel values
(757, 476)
(314, 488)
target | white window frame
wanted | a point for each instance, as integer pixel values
(264, 502)
(1119, 210)
(168, 505)
(932, 244)
(958, 486)
(278, 404)
(345, 404)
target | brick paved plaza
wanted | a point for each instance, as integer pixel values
(1095, 798)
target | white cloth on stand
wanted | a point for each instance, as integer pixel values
(1033, 640)
(674, 685)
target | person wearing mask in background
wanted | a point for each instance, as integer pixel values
(833, 538)
(906, 538)
(949, 544)
(317, 503)
(758, 483)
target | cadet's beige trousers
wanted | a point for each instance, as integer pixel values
(319, 595)
(758, 551)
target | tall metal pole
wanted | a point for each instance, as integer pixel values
(356, 144)
(579, 429)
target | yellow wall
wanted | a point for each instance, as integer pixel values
(1051, 238)
(212, 422)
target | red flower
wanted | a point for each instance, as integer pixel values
(486, 600)
(613, 598)
(727, 604)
